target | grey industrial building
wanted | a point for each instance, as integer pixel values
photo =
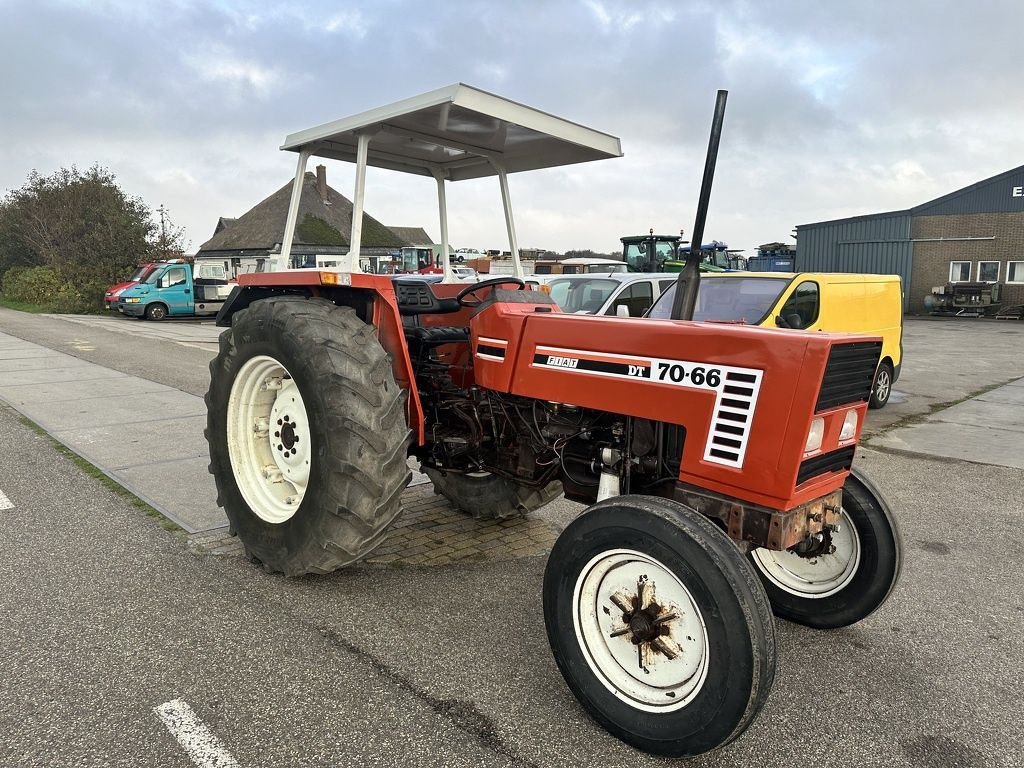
(973, 234)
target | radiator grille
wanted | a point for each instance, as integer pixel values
(849, 374)
(834, 461)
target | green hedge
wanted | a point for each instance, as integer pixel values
(43, 287)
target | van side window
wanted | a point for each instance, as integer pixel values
(801, 308)
(638, 297)
(173, 277)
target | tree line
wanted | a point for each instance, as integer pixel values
(66, 236)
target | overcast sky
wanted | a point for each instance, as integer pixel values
(835, 108)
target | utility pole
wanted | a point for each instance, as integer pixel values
(163, 230)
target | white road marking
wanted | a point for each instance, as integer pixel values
(5, 503)
(202, 746)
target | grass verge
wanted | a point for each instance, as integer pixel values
(21, 306)
(110, 484)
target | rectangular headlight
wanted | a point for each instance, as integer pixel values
(815, 435)
(849, 426)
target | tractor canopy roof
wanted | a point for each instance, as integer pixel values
(460, 130)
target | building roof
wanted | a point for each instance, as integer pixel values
(991, 195)
(319, 222)
(413, 235)
(223, 223)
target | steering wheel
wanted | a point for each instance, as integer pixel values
(463, 296)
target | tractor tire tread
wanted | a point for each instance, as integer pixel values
(362, 442)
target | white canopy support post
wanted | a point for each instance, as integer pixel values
(442, 206)
(513, 243)
(357, 204)
(293, 213)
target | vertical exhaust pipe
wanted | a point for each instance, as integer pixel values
(688, 282)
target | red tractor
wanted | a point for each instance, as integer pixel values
(715, 459)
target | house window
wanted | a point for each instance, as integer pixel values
(959, 271)
(988, 271)
(1015, 271)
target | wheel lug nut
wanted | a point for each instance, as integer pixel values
(279, 422)
(277, 434)
(280, 447)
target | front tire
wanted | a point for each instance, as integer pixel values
(658, 625)
(840, 588)
(490, 497)
(882, 387)
(307, 434)
(156, 312)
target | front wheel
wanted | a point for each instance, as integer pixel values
(658, 625)
(156, 312)
(845, 576)
(882, 388)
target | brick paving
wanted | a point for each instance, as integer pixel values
(430, 532)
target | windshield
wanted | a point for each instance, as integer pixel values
(141, 273)
(587, 295)
(638, 261)
(727, 299)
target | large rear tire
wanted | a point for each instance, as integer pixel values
(832, 589)
(307, 434)
(658, 625)
(490, 497)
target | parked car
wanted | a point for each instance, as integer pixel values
(110, 296)
(838, 302)
(604, 294)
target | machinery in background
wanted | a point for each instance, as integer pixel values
(965, 299)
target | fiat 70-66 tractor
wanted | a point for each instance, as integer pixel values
(716, 459)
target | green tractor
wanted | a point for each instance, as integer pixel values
(662, 253)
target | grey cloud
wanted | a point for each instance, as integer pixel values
(834, 107)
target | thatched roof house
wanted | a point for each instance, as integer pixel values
(413, 236)
(323, 226)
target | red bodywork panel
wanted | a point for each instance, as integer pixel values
(702, 376)
(697, 375)
(386, 320)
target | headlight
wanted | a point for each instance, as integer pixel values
(135, 300)
(849, 426)
(814, 436)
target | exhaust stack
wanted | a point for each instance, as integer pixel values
(688, 282)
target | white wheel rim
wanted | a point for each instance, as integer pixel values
(662, 675)
(819, 576)
(268, 439)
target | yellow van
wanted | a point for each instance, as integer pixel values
(810, 301)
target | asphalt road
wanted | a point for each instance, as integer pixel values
(105, 616)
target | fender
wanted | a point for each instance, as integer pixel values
(373, 298)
